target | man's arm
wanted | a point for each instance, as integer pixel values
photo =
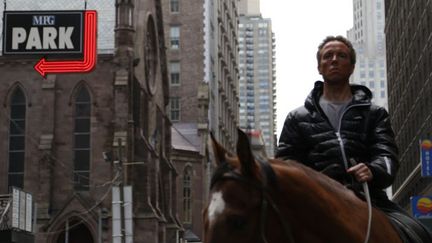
(384, 151)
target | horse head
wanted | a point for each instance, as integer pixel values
(254, 200)
(238, 192)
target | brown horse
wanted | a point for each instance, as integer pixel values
(276, 201)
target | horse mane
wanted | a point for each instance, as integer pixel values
(296, 170)
(290, 169)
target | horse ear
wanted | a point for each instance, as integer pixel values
(217, 153)
(245, 155)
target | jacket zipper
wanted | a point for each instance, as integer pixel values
(341, 144)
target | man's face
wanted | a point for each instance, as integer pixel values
(335, 62)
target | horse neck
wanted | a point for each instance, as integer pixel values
(307, 198)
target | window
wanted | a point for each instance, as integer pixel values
(174, 6)
(187, 199)
(150, 55)
(175, 108)
(378, 5)
(17, 139)
(81, 148)
(175, 37)
(175, 73)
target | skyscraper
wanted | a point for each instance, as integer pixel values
(368, 39)
(202, 45)
(409, 56)
(221, 69)
(257, 89)
(203, 61)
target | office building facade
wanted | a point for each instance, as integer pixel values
(409, 57)
(201, 40)
(257, 86)
(368, 38)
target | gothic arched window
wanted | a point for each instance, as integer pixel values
(187, 197)
(17, 139)
(81, 147)
(151, 54)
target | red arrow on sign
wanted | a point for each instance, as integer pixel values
(45, 67)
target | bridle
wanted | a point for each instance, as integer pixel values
(226, 172)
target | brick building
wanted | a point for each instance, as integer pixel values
(54, 132)
(202, 54)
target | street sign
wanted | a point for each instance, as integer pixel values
(22, 210)
(128, 215)
(122, 222)
(15, 208)
(421, 206)
(88, 62)
(28, 212)
(65, 41)
(426, 157)
(43, 33)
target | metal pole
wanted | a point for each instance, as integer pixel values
(100, 225)
(34, 218)
(121, 184)
(67, 231)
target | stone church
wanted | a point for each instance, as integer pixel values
(69, 139)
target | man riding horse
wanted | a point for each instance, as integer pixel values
(341, 133)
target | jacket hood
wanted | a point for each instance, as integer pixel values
(361, 94)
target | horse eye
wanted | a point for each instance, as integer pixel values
(236, 222)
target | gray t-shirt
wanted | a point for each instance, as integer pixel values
(333, 110)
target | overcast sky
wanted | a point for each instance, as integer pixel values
(299, 27)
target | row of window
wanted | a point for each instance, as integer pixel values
(371, 74)
(249, 26)
(81, 134)
(372, 63)
(81, 147)
(371, 84)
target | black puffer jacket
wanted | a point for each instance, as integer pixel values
(365, 134)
